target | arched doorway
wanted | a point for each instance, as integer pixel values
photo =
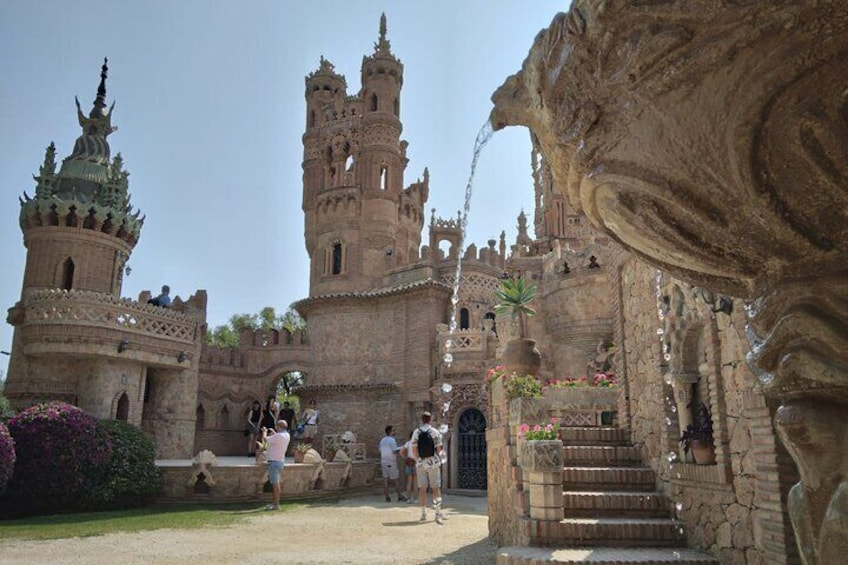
(123, 410)
(471, 450)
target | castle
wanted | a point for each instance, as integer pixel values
(380, 348)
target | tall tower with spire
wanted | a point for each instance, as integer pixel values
(360, 220)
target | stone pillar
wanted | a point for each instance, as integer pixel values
(541, 461)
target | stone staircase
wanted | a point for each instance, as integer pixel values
(613, 513)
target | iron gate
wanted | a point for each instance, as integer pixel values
(471, 449)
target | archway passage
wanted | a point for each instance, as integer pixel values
(123, 410)
(471, 450)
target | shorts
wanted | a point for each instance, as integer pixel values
(390, 470)
(274, 470)
(310, 431)
(409, 471)
(429, 473)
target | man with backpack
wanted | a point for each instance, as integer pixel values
(427, 449)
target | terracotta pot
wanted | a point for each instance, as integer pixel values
(703, 452)
(298, 456)
(522, 356)
(330, 455)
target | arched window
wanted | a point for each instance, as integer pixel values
(223, 418)
(463, 319)
(68, 274)
(199, 418)
(491, 316)
(373, 102)
(384, 177)
(397, 107)
(337, 259)
(312, 118)
(349, 163)
(123, 410)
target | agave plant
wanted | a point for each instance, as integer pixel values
(514, 298)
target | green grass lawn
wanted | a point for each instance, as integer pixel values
(135, 520)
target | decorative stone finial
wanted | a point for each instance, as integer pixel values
(383, 44)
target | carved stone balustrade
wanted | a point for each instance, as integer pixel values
(74, 322)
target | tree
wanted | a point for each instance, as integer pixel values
(265, 320)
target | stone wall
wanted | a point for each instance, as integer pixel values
(692, 354)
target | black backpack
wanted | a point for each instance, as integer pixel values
(426, 445)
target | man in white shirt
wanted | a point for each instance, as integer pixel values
(427, 449)
(278, 443)
(388, 462)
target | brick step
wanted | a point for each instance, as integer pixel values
(606, 435)
(602, 556)
(640, 479)
(602, 455)
(607, 532)
(610, 504)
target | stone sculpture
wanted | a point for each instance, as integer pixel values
(709, 139)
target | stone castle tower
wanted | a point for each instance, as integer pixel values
(75, 338)
(360, 220)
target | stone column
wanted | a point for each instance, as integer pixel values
(541, 461)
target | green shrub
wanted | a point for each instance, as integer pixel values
(7, 457)
(63, 457)
(134, 480)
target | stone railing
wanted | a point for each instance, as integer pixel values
(86, 308)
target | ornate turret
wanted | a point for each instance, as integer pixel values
(360, 220)
(90, 190)
(86, 202)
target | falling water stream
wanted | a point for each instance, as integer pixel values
(483, 137)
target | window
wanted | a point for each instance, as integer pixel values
(384, 177)
(373, 102)
(312, 118)
(397, 107)
(200, 418)
(491, 316)
(463, 319)
(336, 266)
(68, 274)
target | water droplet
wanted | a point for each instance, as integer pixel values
(443, 429)
(677, 475)
(668, 421)
(668, 378)
(681, 530)
(446, 388)
(448, 358)
(672, 456)
(454, 300)
(679, 506)
(673, 408)
(446, 407)
(676, 554)
(448, 343)
(660, 331)
(667, 356)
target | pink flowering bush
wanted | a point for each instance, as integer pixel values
(63, 458)
(539, 431)
(7, 456)
(134, 480)
(599, 380)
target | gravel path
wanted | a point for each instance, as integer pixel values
(361, 529)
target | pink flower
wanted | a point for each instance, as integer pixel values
(523, 428)
(537, 428)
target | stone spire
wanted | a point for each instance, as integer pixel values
(383, 45)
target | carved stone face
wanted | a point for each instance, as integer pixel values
(707, 138)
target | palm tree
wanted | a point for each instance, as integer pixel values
(514, 298)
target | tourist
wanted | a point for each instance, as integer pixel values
(410, 478)
(254, 429)
(163, 300)
(271, 412)
(310, 421)
(277, 443)
(427, 448)
(389, 464)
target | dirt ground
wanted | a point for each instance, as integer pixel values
(359, 529)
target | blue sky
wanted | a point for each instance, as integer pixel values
(210, 111)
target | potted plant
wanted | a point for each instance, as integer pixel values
(300, 451)
(330, 449)
(514, 298)
(699, 437)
